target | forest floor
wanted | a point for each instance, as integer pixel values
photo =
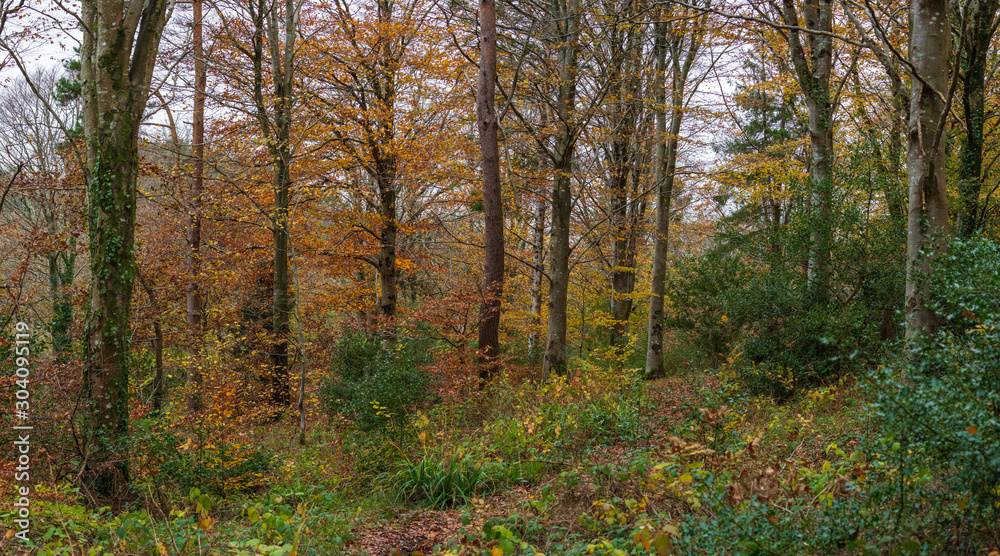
(600, 484)
(421, 530)
(589, 465)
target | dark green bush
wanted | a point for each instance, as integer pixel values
(749, 299)
(944, 398)
(374, 387)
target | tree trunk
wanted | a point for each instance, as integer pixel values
(117, 60)
(493, 271)
(927, 218)
(279, 387)
(664, 191)
(61, 267)
(664, 166)
(193, 256)
(813, 71)
(387, 270)
(568, 22)
(624, 151)
(973, 67)
(537, 271)
(276, 128)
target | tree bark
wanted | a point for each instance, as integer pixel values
(664, 167)
(493, 271)
(117, 60)
(193, 314)
(927, 216)
(813, 72)
(973, 62)
(568, 16)
(537, 270)
(274, 116)
(623, 151)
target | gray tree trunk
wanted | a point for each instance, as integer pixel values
(927, 216)
(623, 156)
(568, 14)
(813, 71)
(117, 60)
(664, 166)
(274, 116)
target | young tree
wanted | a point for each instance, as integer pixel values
(622, 60)
(271, 52)
(193, 312)
(813, 64)
(567, 15)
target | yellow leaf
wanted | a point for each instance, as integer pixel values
(686, 478)
(9, 535)
(496, 551)
(663, 545)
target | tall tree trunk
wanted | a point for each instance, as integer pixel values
(387, 271)
(568, 16)
(927, 219)
(973, 62)
(274, 116)
(279, 387)
(625, 144)
(117, 60)
(493, 271)
(664, 167)
(537, 270)
(384, 156)
(813, 71)
(193, 256)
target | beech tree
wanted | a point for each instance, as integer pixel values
(270, 49)
(625, 155)
(927, 210)
(120, 44)
(193, 311)
(677, 42)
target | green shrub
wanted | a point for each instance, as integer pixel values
(374, 387)
(749, 300)
(214, 468)
(944, 399)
